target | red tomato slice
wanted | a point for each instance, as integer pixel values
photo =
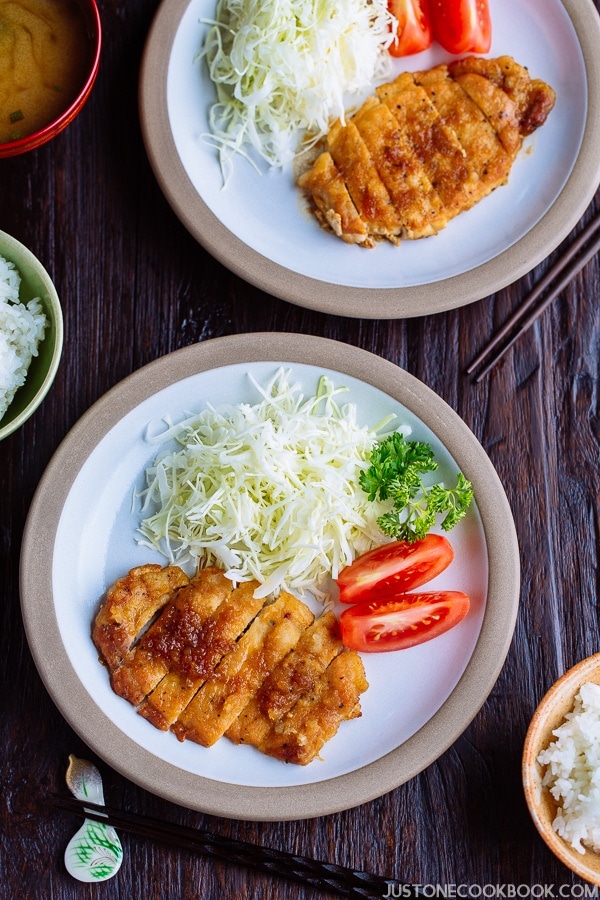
(394, 568)
(413, 32)
(462, 26)
(401, 622)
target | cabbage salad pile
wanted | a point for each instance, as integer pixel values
(281, 69)
(268, 491)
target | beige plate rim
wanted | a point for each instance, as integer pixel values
(297, 802)
(383, 303)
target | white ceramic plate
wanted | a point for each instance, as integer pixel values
(258, 224)
(83, 511)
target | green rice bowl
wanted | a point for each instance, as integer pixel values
(31, 334)
(22, 328)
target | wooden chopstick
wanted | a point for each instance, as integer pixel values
(309, 872)
(565, 269)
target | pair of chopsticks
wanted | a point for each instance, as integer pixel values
(309, 872)
(575, 257)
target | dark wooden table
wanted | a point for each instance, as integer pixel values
(135, 285)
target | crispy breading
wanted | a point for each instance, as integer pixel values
(445, 162)
(157, 651)
(216, 659)
(436, 143)
(130, 604)
(240, 674)
(334, 206)
(295, 676)
(415, 200)
(316, 717)
(476, 135)
(195, 661)
(369, 194)
(533, 98)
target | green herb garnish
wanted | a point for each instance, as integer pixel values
(395, 471)
(16, 116)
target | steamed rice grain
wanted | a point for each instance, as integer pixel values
(21, 330)
(573, 771)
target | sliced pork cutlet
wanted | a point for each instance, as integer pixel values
(533, 98)
(295, 676)
(369, 194)
(272, 634)
(478, 138)
(500, 111)
(436, 146)
(299, 736)
(427, 147)
(150, 660)
(334, 206)
(129, 605)
(194, 648)
(417, 204)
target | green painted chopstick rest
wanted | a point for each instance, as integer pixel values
(94, 853)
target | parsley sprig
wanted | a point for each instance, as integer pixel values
(394, 473)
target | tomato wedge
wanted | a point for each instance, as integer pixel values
(462, 26)
(401, 622)
(413, 32)
(394, 568)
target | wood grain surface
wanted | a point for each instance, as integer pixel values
(135, 285)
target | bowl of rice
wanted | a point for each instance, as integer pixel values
(561, 769)
(31, 333)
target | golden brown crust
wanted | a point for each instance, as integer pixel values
(240, 673)
(315, 718)
(427, 147)
(215, 656)
(369, 194)
(130, 604)
(416, 202)
(292, 679)
(333, 203)
(197, 646)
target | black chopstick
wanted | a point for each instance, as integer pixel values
(309, 872)
(565, 269)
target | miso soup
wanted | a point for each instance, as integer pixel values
(45, 54)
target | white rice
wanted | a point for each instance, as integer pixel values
(573, 771)
(21, 330)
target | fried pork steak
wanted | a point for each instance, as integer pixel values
(424, 148)
(204, 658)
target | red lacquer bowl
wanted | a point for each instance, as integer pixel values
(58, 124)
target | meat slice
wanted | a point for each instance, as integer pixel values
(167, 642)
(192, 661)
(369, 194)
(445, 162)
(334, 206)
(497, 107)
(415, 200)
(533, 98)
(295, 676)
(299, 736)
(269, 638)
(217, 660)
(130, 604)
(475, 133)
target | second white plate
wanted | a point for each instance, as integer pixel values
(258, 224)
(84, 521)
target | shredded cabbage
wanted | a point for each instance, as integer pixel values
(267, 491)
(281, 67)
